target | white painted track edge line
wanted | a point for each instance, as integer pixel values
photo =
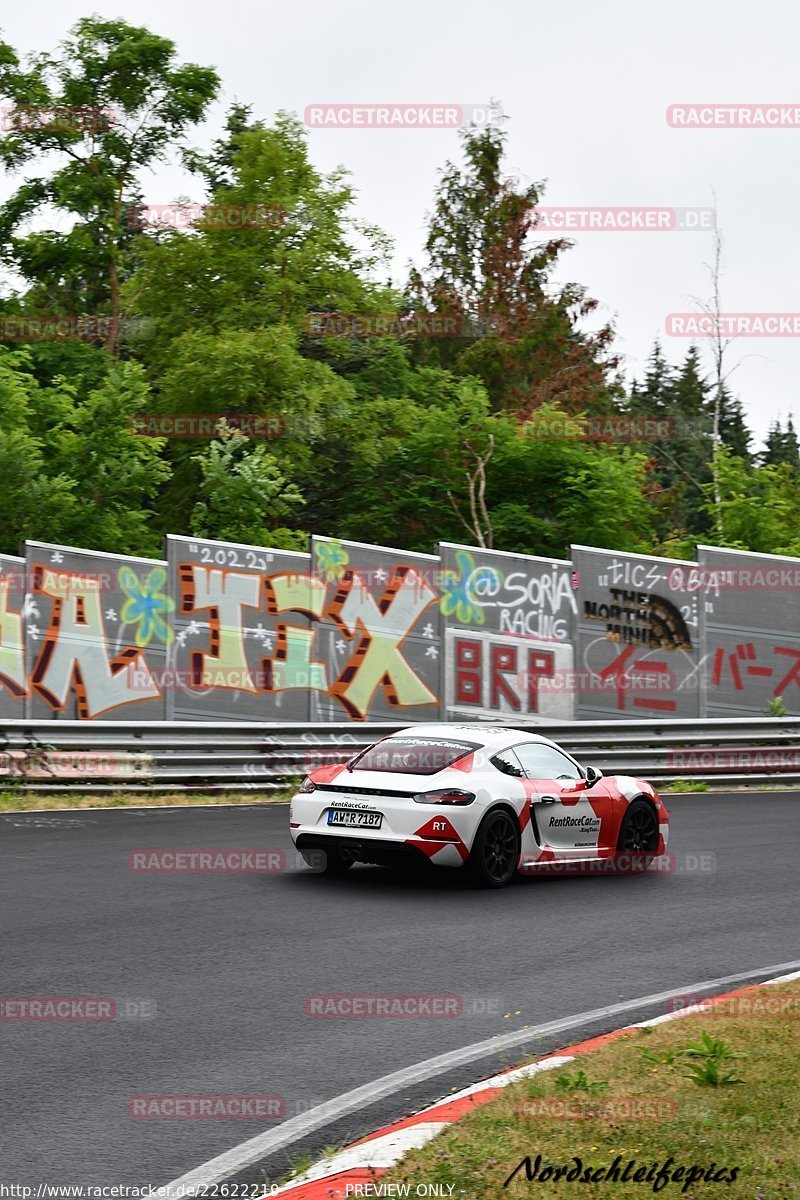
(343, 1160)
(246, 1154)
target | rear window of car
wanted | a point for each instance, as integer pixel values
(414, 756)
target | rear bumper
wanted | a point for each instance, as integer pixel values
(408, 830)
(382, 851)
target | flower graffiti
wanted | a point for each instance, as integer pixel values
(146, 605)
(332, 558)
(460, 588)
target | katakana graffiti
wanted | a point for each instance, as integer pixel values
(637, 637)
(750, 612)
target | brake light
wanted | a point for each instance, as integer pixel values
(445, 796)
(307, 785)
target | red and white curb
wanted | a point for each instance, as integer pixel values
(338, 1176)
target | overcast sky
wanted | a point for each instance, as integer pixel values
(586, 87)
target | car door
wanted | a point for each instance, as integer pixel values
(567, 814)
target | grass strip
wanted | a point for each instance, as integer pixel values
(648, 1098)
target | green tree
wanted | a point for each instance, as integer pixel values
(680, 451)
(651, 396)
(308, 254)
(488, 267)
(217, 167)
(257, 372)
(781, 445)
(36, 504)
(116, 474)
(761, 506)
(138, 101)
(539, 490)
(736, 437)
(72, 469)
(243, 496)
(681, 458)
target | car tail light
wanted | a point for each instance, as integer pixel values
(307, 785)
(445, 796)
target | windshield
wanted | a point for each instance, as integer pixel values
(414, 756)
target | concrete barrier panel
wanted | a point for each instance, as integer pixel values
(638, 642)
(355, 631)
(243, 647)
(96, 633)
(13, 677)
(750, 607)
(380, 633)
(509, 623)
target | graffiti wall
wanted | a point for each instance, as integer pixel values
(508, 629)
(13, 683)
(345, 631)
(348, 631)
(242, 649)
(638, 637)
(97, 627)
(750, 605)
(379, 633)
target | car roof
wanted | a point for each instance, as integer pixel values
(494, 736)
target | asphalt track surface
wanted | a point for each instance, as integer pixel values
(227, 961)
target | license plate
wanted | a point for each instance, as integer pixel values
(355, 817)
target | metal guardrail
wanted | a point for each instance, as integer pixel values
(204, 756)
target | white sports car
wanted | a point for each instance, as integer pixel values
(495, 801)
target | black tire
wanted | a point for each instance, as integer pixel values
(638, 838)
(494, 858)
(333, 861)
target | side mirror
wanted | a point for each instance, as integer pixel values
(592, 775)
